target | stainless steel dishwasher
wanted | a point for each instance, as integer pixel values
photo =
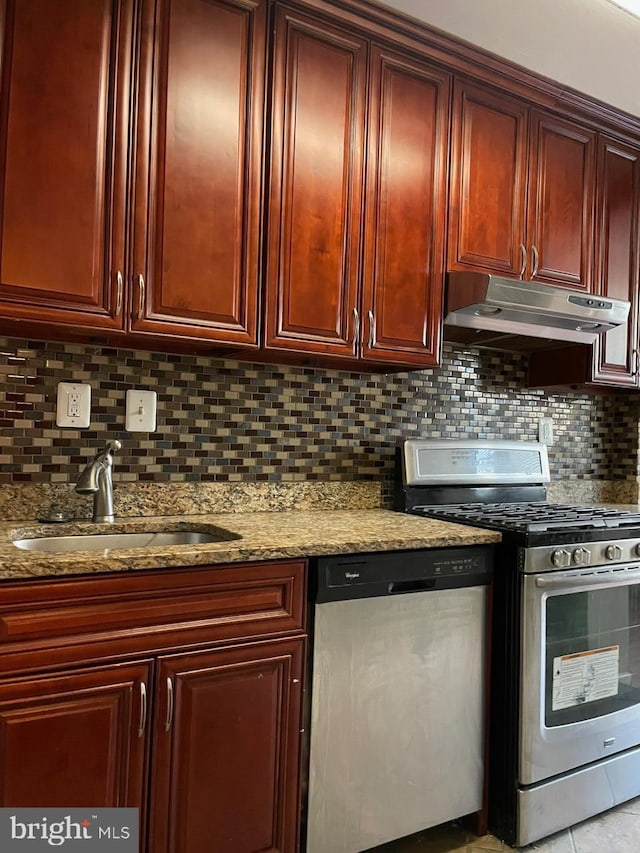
(398, 692)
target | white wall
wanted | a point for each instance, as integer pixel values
(590, 45)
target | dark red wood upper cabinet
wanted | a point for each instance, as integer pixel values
(329, 291)
(65, 89)
(613, 359)
(407, 145)
(227, 750)
(199, 169)
(522, 191)
(561, 202)
(487, 202)
(77, 738)
(618, 258)
(315, 199)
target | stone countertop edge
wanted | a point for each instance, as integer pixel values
(256, 536)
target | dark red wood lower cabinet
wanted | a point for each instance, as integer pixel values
(226, 750)
(76, 739)
(166, 691)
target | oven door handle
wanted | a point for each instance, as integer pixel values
(603, 579)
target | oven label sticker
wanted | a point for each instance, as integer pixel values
(585, 677)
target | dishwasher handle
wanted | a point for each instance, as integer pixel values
(412, 586)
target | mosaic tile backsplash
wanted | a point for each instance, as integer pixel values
(228, 421)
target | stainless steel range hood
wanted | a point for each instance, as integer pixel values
(504, 313)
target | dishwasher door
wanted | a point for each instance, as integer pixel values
(397, 716)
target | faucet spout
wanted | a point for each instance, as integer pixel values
(96, 479)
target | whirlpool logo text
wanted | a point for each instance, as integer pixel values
(75, 830)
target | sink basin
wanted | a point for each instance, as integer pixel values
(108, 541)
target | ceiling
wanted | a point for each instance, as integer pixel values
(589, 45)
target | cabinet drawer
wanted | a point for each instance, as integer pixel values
(146, 610)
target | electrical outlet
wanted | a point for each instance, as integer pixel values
(73, 405)
(545, 431)
(140, 411)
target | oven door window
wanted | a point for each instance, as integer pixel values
(592, 653)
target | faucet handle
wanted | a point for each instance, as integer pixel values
(113, 445)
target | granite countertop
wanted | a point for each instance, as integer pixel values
(252, 536)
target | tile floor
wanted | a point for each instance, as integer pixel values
(615, 831)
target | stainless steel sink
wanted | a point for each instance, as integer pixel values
(108, 541)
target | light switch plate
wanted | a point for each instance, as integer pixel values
(141, 411)
(73, 405)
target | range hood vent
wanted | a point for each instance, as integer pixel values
(503, 313)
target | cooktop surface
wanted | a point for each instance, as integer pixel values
(535, 517)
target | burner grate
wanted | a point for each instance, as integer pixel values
(538, 517)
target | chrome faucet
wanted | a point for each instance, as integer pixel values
(96, 480)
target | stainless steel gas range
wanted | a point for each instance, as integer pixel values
(565, 665)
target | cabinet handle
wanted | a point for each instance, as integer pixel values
(523, 256)
(143, 709)
(120, 285)
(536, 259)
(356, 330)
(169, 720)
(372, 329)
(634, 371)
(140, 296)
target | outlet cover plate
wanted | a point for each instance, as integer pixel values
(545, 431)
(73, 405)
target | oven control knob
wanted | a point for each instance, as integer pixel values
(613, 552)
(638, 549)
(582, 556)
(561, 558)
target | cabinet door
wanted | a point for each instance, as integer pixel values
(618, 258)
(75, 739)
(488, 182)
(226, 761)
(561, 202)
(405, 210)
(315, 192)
(197, 211)
(65, 90)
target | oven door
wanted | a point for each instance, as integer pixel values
(580, 685)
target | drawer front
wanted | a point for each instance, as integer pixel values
(149, 611)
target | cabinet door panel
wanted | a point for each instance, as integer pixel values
(64, 129)
(405, 214)
(488, 182)
(226, 770)
(200, 254)
(315, 196)
(72, 739)
(618, 264)
(561, 202)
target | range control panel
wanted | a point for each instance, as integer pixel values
(550, 558)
